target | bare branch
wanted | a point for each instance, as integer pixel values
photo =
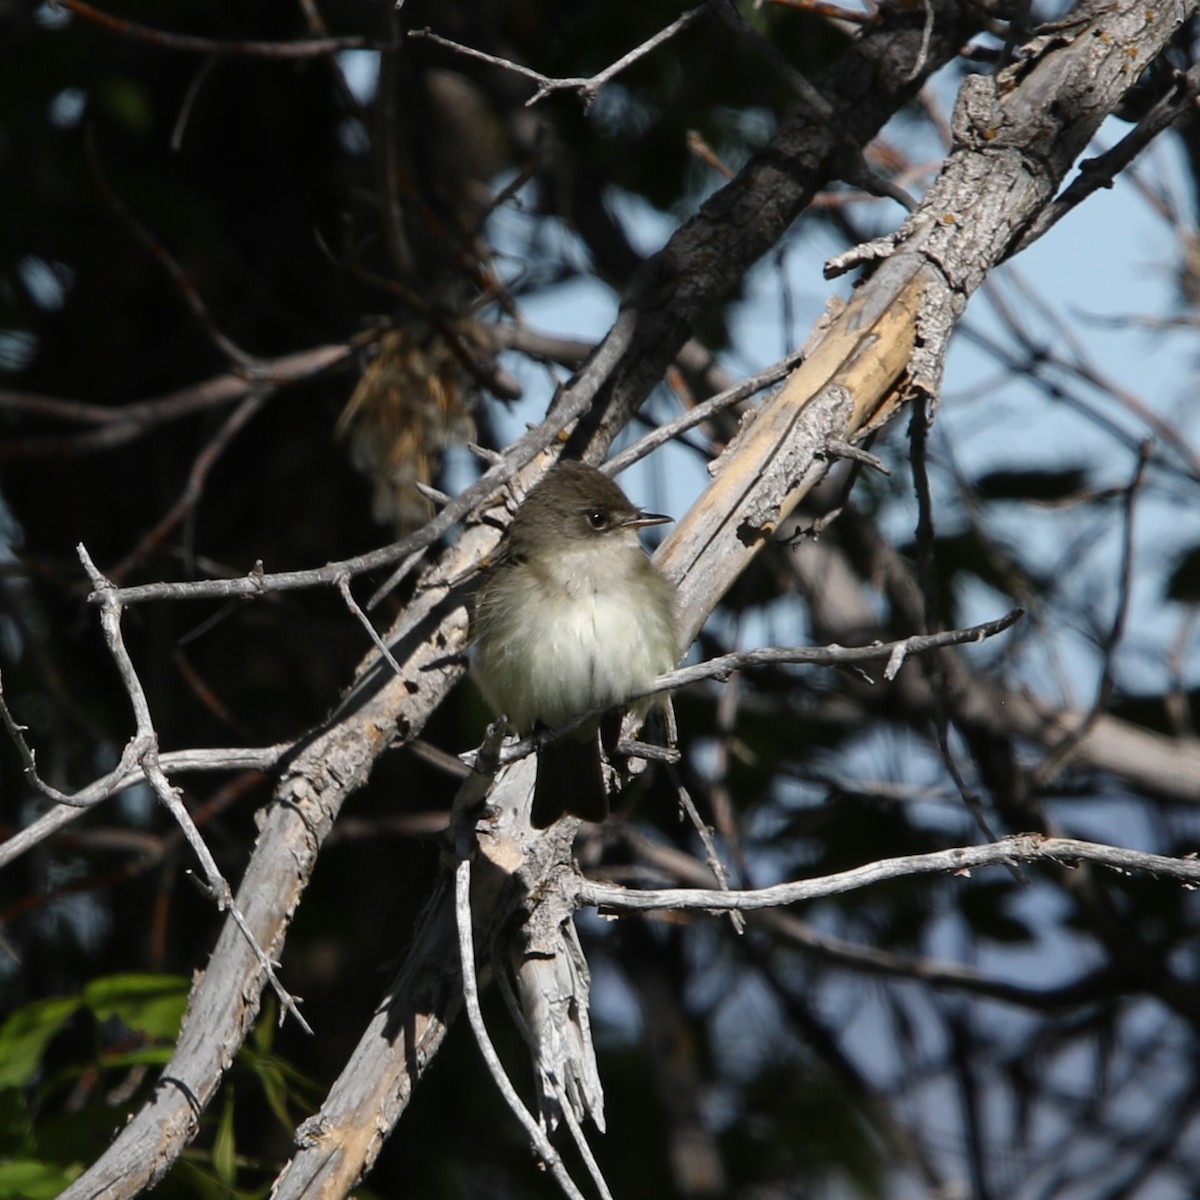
(711, 858)
(343, 586)
(700, 413)
(307, 48)
(216, 887)
(586, 86)
(142, 748)
(194, 488)
(175, 762)
(1026, 847)
(725, 665)
(943, 976)
(1099, 172)
(115, 426)
(466, 950)
(519, 454)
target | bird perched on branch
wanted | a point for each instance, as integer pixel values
(573, 616)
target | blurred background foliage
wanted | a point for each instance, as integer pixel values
(819, 1055)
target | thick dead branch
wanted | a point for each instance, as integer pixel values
(706, 257)
(330, 764)
(892, 337)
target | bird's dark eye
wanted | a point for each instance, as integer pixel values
(597, 518)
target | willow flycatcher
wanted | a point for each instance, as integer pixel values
(573, 616)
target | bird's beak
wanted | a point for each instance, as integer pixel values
(641, 519)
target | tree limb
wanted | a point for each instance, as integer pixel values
(1024, 847)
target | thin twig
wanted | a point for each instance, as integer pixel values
(178, 276)
(343, 586)
(711, 857)
(586, 86)
(305, 48)
(466, 947)
(1023, 847)
(145, 740)
(114, 426)
(918, 437)
(701, 413)
(926, 34)
(194, 488)
(1104, 689)
(585, 1151)
(727, 748)
(836, 448)
(724, 665)
(387, 163)
(189, 101)
(858, 457)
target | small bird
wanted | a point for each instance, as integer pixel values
(573, 616)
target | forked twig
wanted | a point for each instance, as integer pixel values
(141, 753)
(586, 86)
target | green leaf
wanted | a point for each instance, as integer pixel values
(280, 1080)
(274, 1085)
(263, 1034)
(26, 1034)
(28, 1179)
(128, 102)
(143, 1056)
(224, 1151)
(15, 1122)
(152, 1004)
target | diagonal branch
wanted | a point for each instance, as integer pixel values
(142, 752)
(113, 426)
(302, 48)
